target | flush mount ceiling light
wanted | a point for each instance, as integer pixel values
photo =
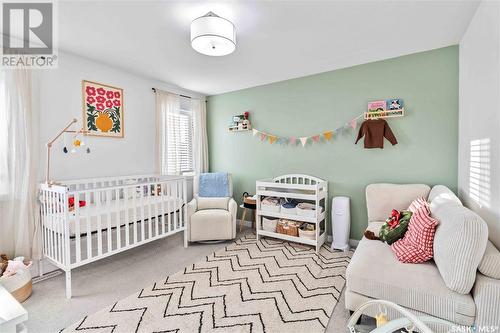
(213, 35)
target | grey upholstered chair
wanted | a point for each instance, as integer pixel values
(211, 218)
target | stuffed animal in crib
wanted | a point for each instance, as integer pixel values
(15, 265)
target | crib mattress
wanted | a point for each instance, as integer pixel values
(115, 213)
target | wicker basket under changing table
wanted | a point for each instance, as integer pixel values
(288, 227)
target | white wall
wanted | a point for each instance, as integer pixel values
(479, 119)
(61, 100)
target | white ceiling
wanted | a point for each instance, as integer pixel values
(276, 40)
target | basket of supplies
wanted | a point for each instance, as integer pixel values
(270, 204)
(288, 227)
(308, 230)
(15, 277)
(289, 207)
(269, 223)
(307, 209)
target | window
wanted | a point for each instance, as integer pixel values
(180, 131)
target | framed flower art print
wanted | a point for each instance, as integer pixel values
(102, 109)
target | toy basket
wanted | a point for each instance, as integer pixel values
(288, 227)
(307, 233)
(307, 209)
(270, 204)
(269, 224)
(19, 284)
(289, 207)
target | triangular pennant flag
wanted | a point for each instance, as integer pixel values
(263, 136)
(328, 135)
(354, 123)
(303, 140)
(254, 132)
(316, 138)
(292, 140)
(272, 139)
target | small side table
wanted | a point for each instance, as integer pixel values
(244, 215)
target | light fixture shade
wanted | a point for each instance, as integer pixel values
(213, 35)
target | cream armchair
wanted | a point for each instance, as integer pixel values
(211, 218)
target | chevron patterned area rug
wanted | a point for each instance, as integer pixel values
(248, 286)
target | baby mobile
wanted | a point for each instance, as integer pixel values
(76, 142)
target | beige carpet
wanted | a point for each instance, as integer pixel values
(248, 286)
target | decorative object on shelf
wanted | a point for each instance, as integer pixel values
(240, 123)
(390, 108)
(102, 109)
(279, 197)
(213, 35)
(76, 142)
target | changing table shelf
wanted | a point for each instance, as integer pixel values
(300, 187)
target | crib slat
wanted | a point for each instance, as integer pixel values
(89, 221)
(150, 211)
(134, 212)
(98, 204)
(118, 220)
(143, 220)
(184, 202)
(108, 218)
(156, 210)
(169, 203)
(126, 206)
(77, 227)
(174, 185)
(162, 209)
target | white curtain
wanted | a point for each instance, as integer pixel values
(166, 103)
(18, 166)
(200, 135)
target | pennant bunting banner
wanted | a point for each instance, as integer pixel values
(292, 140)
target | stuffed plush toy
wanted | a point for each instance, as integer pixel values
(4, 261)
(14, 266)
(393, 229)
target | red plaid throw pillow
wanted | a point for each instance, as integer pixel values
(419, 203)
(417, 244)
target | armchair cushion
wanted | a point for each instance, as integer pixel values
(212, 203)
(211, 224)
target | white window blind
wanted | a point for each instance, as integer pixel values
(179, 152)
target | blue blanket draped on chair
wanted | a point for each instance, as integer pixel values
(214, 184)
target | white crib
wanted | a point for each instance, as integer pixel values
(109, 215)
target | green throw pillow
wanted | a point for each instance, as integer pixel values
(389, 235)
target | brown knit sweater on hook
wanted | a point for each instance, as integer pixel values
(374, 132)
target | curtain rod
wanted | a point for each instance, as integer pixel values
(154, 90)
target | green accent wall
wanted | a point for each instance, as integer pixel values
(427, 135)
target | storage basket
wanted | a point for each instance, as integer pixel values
(269, 224)
(309, 234)
(307, 209)
(288, 227)
(19, 284)
(289, 207)
(270, 204)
